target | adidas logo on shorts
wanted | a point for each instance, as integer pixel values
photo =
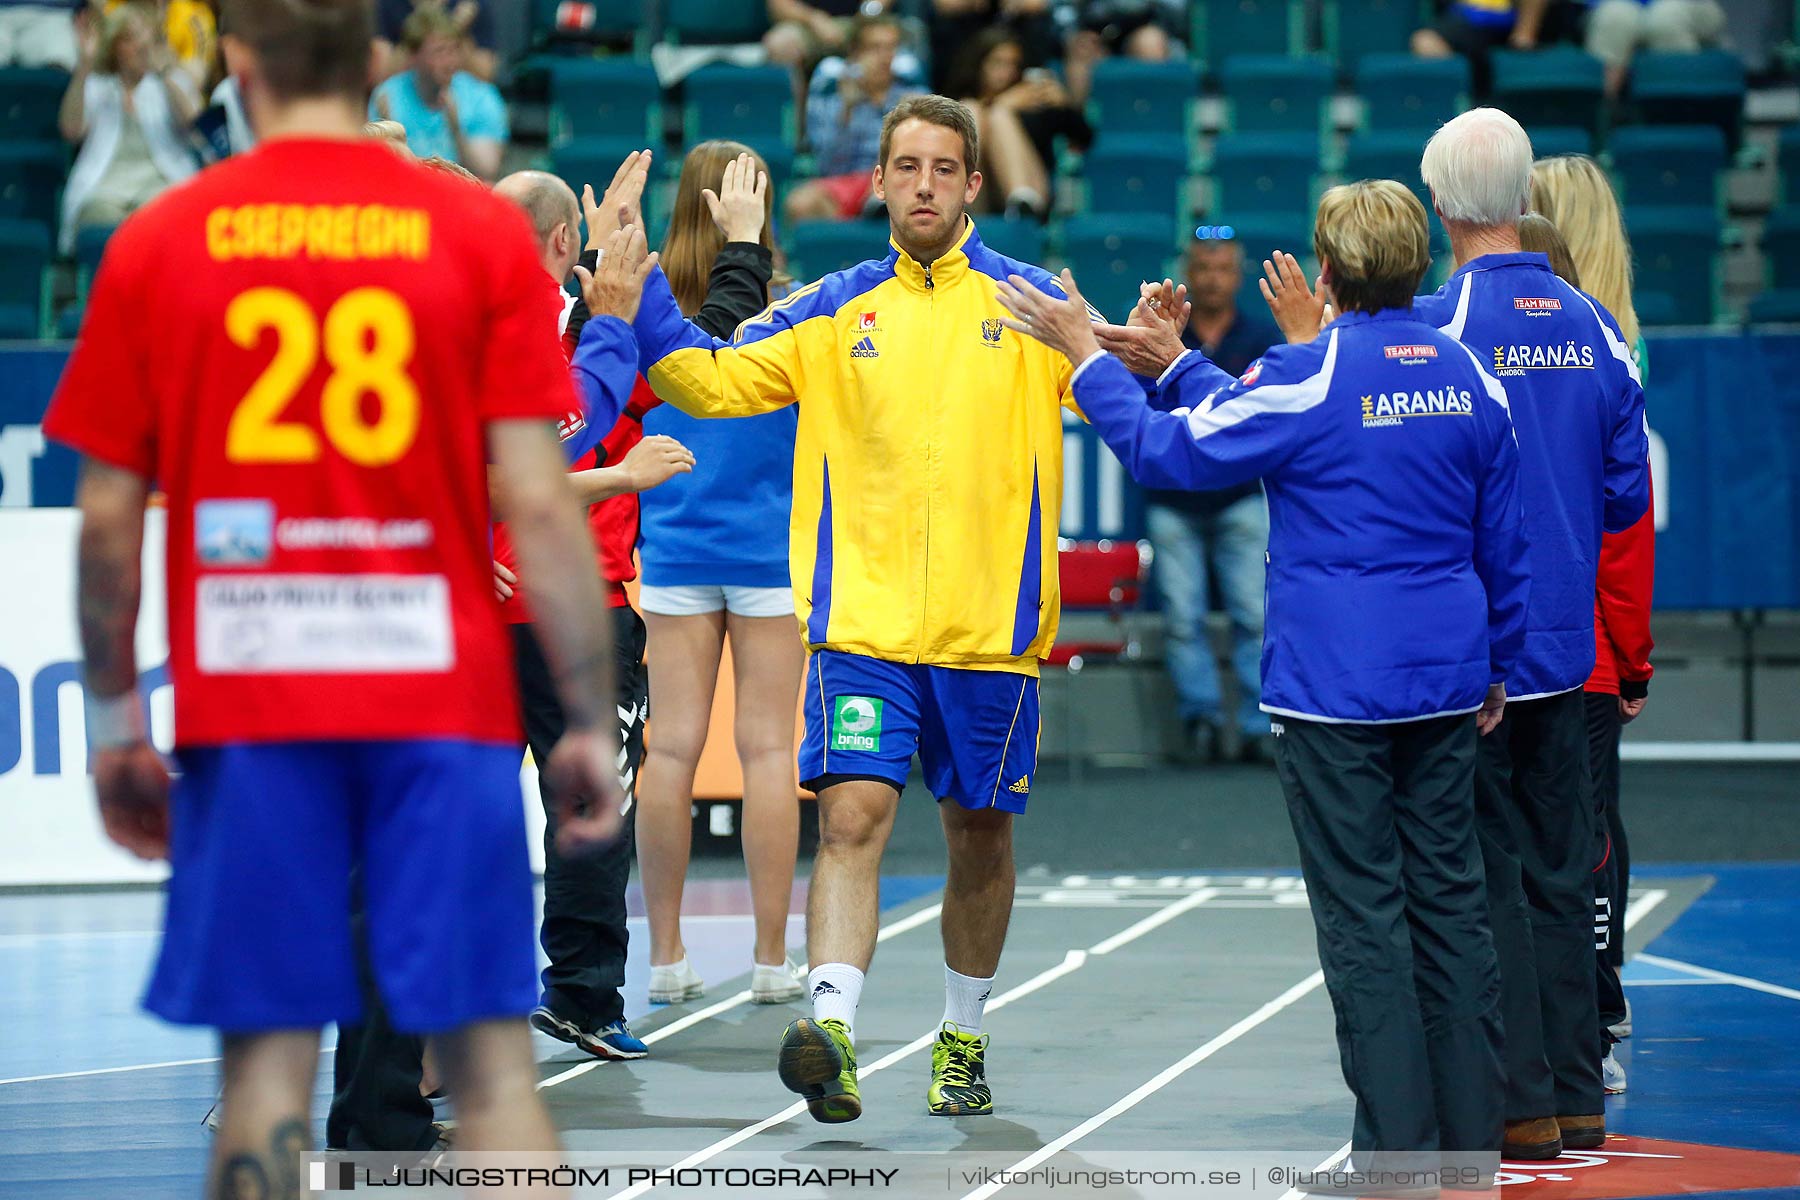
(1021, 785)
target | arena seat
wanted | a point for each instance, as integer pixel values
(1220, 28)
(754, 105)
(1668, 164)
(1110, 253)
(1252, 171)
(1555, 86)
(1676, 253)
(817, 248)
(1401, 92)
(1133, 97)
(723, 22)
(1703, 88)
(606, 97)
(29, 100)
(31, 177)
(1276, 94)
(1357, 29)
(24, 279)
(1143, 173)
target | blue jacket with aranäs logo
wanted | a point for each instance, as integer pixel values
(1578, 407)
(1397, 577)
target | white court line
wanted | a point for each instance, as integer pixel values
(1676, 983)
(180, 1062)
(929, 913)
(1634, 912)
(1710, 751)
(1707, 973)
(1073, 961)
(1156, 1082)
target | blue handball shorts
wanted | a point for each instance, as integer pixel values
(975, 732)
(256, 934)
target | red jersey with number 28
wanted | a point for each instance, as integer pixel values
(303, 346)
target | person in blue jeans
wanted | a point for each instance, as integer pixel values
(1203, 539)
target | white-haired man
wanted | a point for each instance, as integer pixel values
(1578, 407)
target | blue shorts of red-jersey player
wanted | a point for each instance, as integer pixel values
(264, 836)
(975, 732)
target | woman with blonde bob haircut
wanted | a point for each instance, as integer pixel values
(1396, 602)
(715, 566)
(1574, 193)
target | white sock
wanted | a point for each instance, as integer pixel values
(835, 988)
(964, 999)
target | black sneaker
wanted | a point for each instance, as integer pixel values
(615, 1041)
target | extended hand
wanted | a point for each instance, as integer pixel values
(616, 287)
(737, 207)
(1629, 710)
(657, 458)
(1300, 310)
(504, 582)
(621, 204)
(583, 775)
(1061, 324)
(1150, 341)
(132, 783)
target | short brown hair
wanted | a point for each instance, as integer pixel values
(935, 110)
(864, 22)
(1373, 234)
(308, 48)
(426, 22)
(1538, 234)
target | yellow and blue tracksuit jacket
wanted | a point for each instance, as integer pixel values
(928, 459)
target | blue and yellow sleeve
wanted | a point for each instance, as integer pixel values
(757, 371)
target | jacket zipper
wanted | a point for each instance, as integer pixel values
(930, 453)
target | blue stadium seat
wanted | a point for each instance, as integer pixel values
(1548, 141)
(1111, 253)
(1015, 238)
(29, 99)
(1273, 94)
(1557, 86)
(1355, 29)
(31, 175)
(1261, 234)
(1676, 253)
(1704, 88)
(1132, 97)
(1668, 164)
(24, 275)
(714, 21)
(606, 97)
(1220, 28)
(1790, 164)
(1254, 171)
(592, 160)
(1655, 308)
(1142, 174)
(1402, 92)
(751, 104)
(817, 248)
(1778, 305)
(1781, 246)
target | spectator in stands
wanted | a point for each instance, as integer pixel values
(1142, 29)
(38, 34)
(192, 33)
(1617, 29)
(1476, 28)
(955, 23)
(474, 17)
(1019, 114)
(447, 111)
(1573, 192)
(715, 560)
(844, 122)
(1223, 535)
(804, 35)
(129, 107)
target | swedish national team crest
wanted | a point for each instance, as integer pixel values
(990, 331)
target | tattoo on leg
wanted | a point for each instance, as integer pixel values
(274, 1176)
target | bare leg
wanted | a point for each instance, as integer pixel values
(684, 669)
(1149, 43)
(978, 895)
(264, 1115)
(1083, 50)
(1429, 43)
(493, 1080)
(810, 201)
(768, 661)
(1016, 163)
(842, 909)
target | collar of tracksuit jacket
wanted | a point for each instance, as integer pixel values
(951, 268)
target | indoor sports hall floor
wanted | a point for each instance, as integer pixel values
(1160, 991)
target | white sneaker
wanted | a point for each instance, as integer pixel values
(1622, 1030)
(776, 985)
(1612, 1075)
(674, 983)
